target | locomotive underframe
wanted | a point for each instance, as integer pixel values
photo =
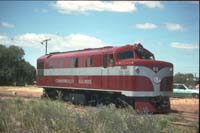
(158, 104)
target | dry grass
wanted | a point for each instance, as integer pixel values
(47, 116)
(188, 113)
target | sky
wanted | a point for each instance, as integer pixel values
(169, 29)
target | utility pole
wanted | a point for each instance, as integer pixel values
(46, 40)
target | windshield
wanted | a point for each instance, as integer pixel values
(125, 55)
(145, 55)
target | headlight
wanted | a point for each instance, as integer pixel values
(156, 80)
(137, 70)
(171, 69)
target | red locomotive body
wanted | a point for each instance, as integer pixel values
(127, 74)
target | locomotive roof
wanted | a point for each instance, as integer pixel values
(84, 50)
(88, 51)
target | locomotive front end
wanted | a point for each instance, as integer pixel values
(154, 80)
(151, 80)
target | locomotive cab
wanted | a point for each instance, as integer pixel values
(131, 52)
(152, 80)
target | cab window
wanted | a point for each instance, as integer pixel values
(146, 56)
(125, 55)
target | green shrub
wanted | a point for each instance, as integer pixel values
(46, 116)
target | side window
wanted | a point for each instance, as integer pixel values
(74, 62)
(89, 61)
(51, 64)
(111, 59)
(60, 63)
(40, 69)
(105, 64)
(40, 65)
(108, 60)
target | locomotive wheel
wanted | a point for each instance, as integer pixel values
(121, 103)
(59, 95)
(48, 93)
(66, 97)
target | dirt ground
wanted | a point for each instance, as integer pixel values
(186, 109)
(27, 91)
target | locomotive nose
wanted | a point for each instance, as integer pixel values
(158, 73)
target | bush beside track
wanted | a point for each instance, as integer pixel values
(19, 115)
(26, 112)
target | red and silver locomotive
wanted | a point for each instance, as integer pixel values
(127, 74)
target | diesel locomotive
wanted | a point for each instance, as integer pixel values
(127, 74)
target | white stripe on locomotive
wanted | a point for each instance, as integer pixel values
(117, 71)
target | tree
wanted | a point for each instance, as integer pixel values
(187, 79)
(13, 68)
(25, 72)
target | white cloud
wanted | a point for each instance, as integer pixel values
(146, 26)
(174, 27)
(4, 39)
(67, 7)
(184, 45)
(7, 25)
(57, 43)
(151, 4)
